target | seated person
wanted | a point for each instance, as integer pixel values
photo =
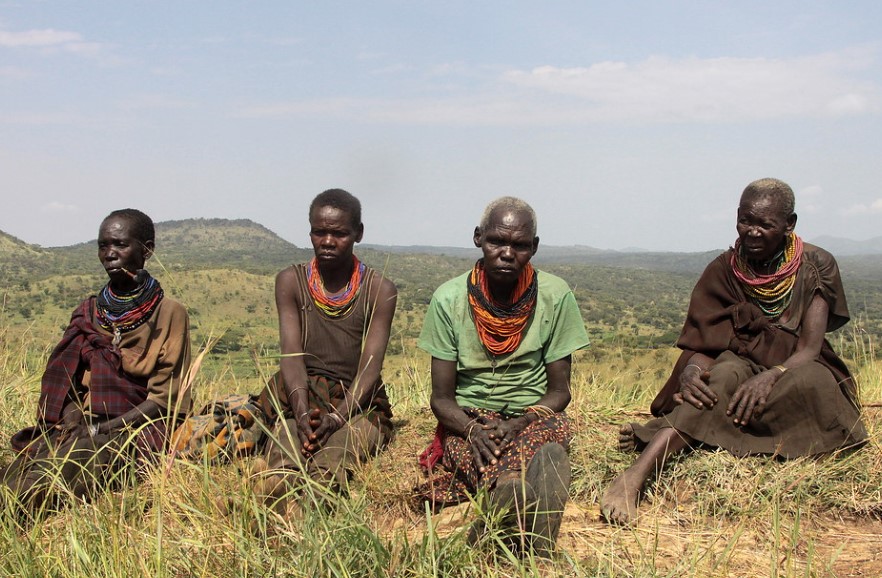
(119, 370)
(501, 339)
(756, 375)
(335, 317)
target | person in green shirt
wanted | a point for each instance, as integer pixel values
(501, 339)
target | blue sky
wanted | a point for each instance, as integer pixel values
(625, 124)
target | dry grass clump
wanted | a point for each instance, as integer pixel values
(708, 514)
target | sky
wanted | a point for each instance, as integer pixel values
(624, 124)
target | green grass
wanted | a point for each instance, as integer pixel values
(709, 514)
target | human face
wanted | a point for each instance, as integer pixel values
(119, 251)
(508, 245)
(333, 236)
(762, 227)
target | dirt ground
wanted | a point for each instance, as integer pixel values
(676, 539)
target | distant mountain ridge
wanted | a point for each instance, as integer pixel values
(249, 246)
(841, 246)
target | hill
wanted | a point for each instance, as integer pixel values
(840, 246)
(186, 244)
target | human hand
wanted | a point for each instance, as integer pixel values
(324, 427)
(750, 397)
(694, 388)
(306, 425)
(504, 431)
(482, 438)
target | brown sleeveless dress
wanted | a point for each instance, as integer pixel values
(332, 350)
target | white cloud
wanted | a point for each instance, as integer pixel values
(810, 192)
(655, 90)
(661, 89)
(49, 39)
(12, 72)
(861, 209)
(155, 102)
(38, 38)
(57, 207)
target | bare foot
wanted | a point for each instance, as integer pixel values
(619, 504)
(627, 439)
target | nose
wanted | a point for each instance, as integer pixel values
(507, 253)
(327, 241)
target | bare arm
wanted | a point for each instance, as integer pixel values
(452, 416)
(751, 395)
(294, 378)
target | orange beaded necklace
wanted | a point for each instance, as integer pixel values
(501, 327)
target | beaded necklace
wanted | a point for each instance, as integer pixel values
(501, 327)
(123, 312)
(341, 303)
(771, 293)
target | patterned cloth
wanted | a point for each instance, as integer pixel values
(459, 477)
(233, 426)
(81, 346)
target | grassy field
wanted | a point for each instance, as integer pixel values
(711, 515)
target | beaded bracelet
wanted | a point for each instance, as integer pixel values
(338, 419)
(541, 411)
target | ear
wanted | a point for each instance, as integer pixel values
(149, 247)
(359, 232)
(477, 237)
(791, 223)
(535, 244)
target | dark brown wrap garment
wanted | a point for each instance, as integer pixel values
(811, 409)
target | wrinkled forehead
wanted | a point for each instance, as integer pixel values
(763, 201)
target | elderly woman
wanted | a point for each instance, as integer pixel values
(756, 375)
(501, 337)
(113, 383)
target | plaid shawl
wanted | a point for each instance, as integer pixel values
(112, 391)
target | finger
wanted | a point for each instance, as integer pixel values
(488, 450)
(733, 403)
(708, 392)
(692, 400)
(678, 398)
(744, 409)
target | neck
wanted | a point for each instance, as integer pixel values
(335, 277)
(501, 293)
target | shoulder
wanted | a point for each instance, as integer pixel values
(169, 308)
(551, 286)
(817, 256)
(289, 274)
(452, 288)
(382, 286)
(551, 282)
(719, 265)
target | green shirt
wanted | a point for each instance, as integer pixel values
(510, 382)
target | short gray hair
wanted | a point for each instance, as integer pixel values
(775, 189)
(512, 204)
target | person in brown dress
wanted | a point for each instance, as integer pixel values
(756, 375)
(115, 384)
(328, 399)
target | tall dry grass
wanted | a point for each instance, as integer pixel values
(710, 514)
